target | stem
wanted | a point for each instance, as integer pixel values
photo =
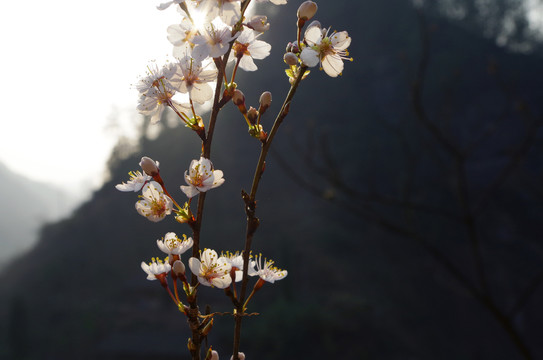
(235, 70)
(250, 207)
(266, 146)
(176, 301)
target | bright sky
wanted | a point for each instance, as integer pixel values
(66, 67)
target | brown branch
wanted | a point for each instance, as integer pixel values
(250, 206)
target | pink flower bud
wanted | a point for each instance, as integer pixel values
(149, 166)
(238, 98)
(307, 10)
(290, 58)
(241, 356)
(178, 268)
(265, 101)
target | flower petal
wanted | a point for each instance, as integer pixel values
(332, 65)
(340, 40)
(309, 57)
(195, 266)
(190, 191)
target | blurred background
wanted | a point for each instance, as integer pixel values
(405, 197)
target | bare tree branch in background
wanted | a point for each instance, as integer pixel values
(471, 205)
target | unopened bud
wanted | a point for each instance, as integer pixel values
(265, 101)
(149, 166)
(214, 355)
(252, 115)
(259, 23)
(307, 10)
(241, 356)
(292, 47)
(290, 58)
(238, 98)
(182, 218)
(178, 268)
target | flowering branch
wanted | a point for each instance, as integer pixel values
(208, 33)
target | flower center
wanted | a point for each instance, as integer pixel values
(241, 49)
(326, 47)
(158, 207)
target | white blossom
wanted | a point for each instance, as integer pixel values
(268, 272)
(211, 270)
(330, 51)
(182, 37)
(236, 263)
(229, 11)
(157, 91)
(156, 268)
(214, 40)
(247, 47)
(259, 23)
(154, 205)
(173, 245)
(201, 177)
(136, 182)
(193, 78)
(166, 5)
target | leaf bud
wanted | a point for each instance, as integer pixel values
(292, 47)
(307, 10)
(191, 346)
(252, 115)
(265, 101)
(259, 23)
(290, 58)
(149, 166)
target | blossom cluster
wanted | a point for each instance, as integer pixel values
(207, 31)
(212, 34)
(210, 269)
(211, 37)
(155, 203)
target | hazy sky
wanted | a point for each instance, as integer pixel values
(66, 67)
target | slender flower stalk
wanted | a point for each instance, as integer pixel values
(250, 205)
